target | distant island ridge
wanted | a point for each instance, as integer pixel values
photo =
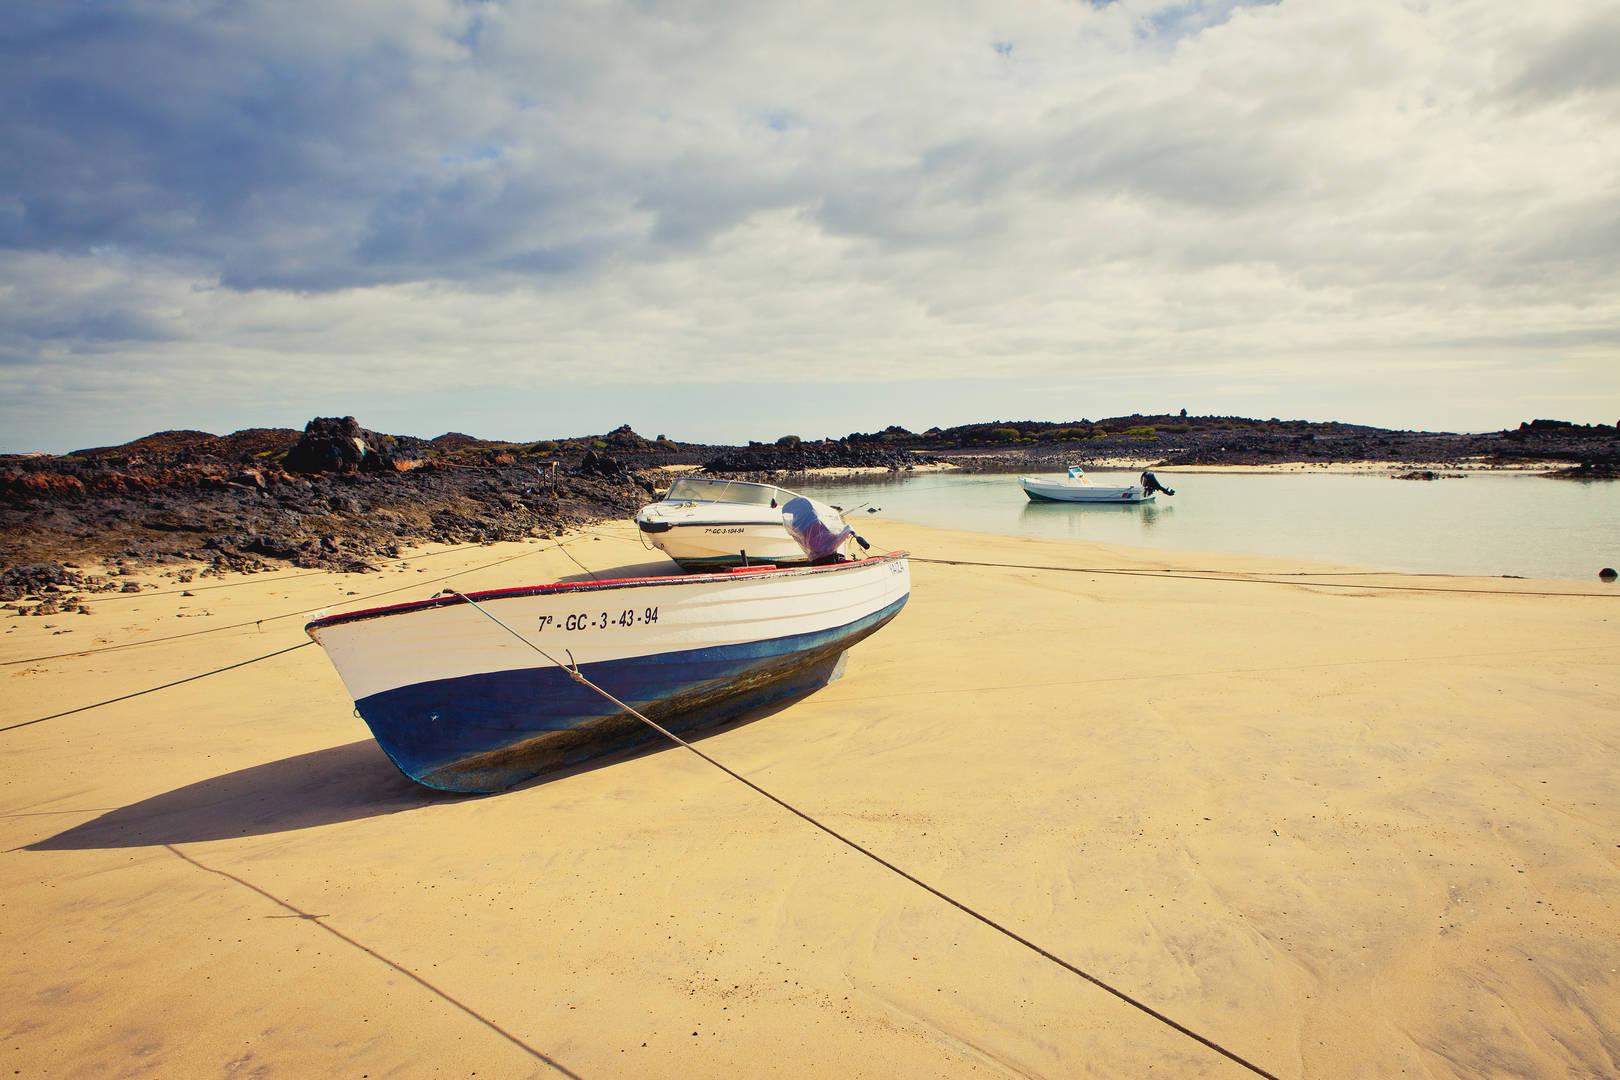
(1168, 439)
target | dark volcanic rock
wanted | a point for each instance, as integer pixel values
(332, 444)
(1021, 445)
(623, 439)
(274, 546)
(357, 495)
(794, 457)
(1589, 470)
(39, 483)
(594, 464)
(21, 581)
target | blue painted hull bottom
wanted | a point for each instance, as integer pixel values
(481, 733)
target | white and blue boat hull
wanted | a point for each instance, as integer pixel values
(1042, 489)
(459, 704)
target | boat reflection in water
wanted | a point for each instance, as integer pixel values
(1148, 514)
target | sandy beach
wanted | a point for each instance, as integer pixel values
(1347, 826)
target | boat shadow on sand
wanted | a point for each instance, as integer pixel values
(660, 567)
(324, 787)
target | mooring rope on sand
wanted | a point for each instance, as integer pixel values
(1201, 575)
(574, 673)
(155, 689)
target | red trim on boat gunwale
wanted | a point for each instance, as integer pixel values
(592, 586)
(700, 524)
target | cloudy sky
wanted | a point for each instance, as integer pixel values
(723, 221)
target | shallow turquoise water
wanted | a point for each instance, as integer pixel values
(1482, 524)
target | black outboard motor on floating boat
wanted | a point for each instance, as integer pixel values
(1150, 484)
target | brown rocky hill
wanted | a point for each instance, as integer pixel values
(335, 495)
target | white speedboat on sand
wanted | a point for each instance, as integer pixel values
(706, 523)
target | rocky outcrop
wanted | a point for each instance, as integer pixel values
(602, 466)
(1427, 474)
(623, 440)
(1588, 470)
(51, 589)
(333, 444)
(42, 483)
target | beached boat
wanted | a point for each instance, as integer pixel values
(459, 703)
(704, 524)
(1077, 487)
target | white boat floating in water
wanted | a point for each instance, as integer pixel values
(458, 703)
(1077, 487)
(705, 524)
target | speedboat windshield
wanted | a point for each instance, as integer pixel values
(702, 489)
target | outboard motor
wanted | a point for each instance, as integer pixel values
(817, 528)
(1150, 484)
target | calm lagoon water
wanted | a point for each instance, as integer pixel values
(1482, 524)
